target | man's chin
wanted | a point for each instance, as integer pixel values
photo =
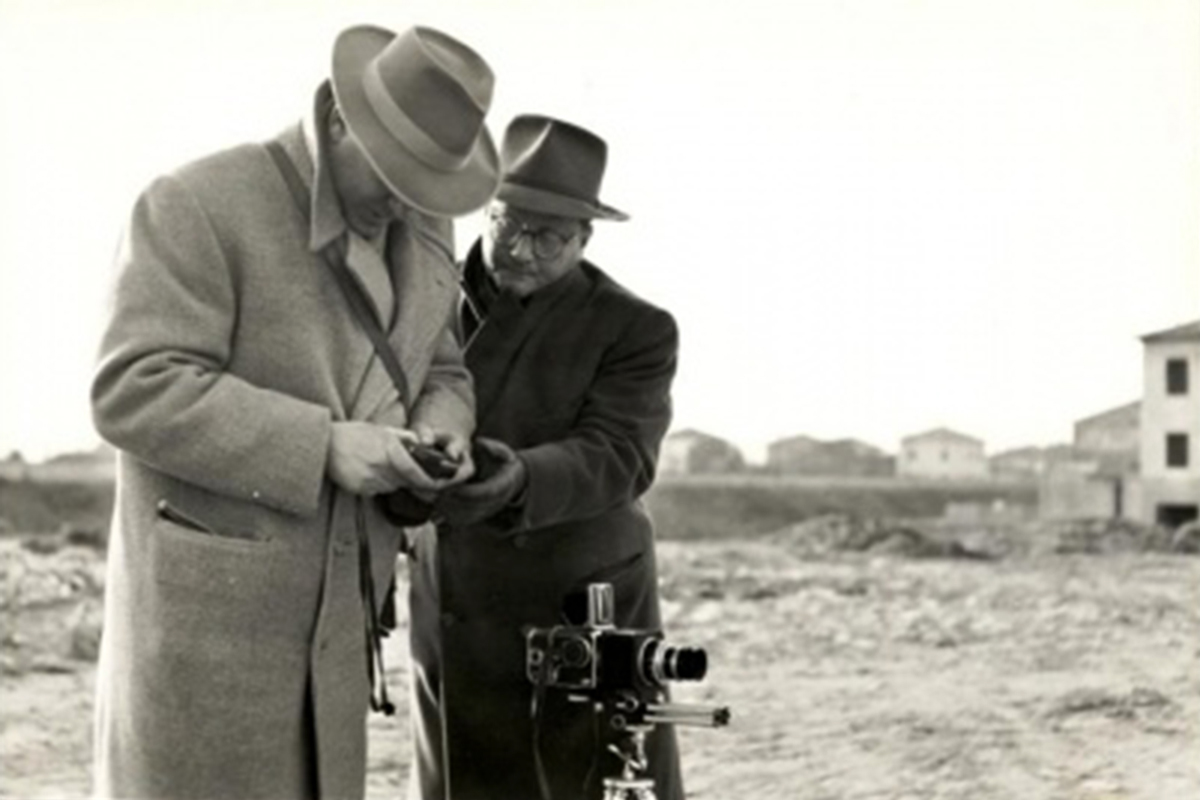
(508, 281)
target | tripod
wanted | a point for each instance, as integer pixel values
(633, 719)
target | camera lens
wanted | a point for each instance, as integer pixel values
(574, 652)
(685, 663)
(662, 662)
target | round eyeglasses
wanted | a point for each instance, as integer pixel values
(546, 242)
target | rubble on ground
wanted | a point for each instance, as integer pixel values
(842, 533)
(1097, 536)
(835, 533)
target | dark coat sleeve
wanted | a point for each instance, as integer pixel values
(610, 453)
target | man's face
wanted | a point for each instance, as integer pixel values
(525, 251)
(367, 203)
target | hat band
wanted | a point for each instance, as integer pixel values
(402, 127)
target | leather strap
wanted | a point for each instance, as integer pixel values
(359, 304)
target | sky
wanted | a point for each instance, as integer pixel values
(869, 217)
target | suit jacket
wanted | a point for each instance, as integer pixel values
(233, 659)
(577, 381)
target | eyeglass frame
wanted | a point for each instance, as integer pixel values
(510, 240)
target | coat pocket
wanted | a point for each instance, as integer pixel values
(188, 552)
(188, 522)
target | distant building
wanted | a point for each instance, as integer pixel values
(1159, 482)
(941, 453)
(1078, 490)
(1169, 489)
(691, 452)
(13, 467)
(1020, 462)
(804, 455)
(1111, 438)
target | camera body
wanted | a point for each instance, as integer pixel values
(621, 674)
(433, 460)
(599, 657)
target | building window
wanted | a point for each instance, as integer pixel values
(1177, 449)
(1177, 376)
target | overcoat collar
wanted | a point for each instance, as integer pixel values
(420, 265)
(505, 322)
(325, 212)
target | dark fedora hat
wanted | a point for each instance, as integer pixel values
(416, 102)
(554, 167)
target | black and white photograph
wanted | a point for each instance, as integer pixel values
(600, 400)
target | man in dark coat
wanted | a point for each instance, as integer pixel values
(573, 375)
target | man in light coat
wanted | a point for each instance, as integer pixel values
(252, 415)
(573, 375)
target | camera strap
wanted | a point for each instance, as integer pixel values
(366, 580)
(359, 305)
(536, 704)
(362, 312)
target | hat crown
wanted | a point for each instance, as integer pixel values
(437, 84)
(416, 103)
(554, 156)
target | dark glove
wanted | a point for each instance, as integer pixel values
(498, 485)
(405, 509)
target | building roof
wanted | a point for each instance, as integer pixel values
(1017, 453)
(803, 444)
(1188, 332)
(940, 434)
(696, 437)
(1120, 412)
(794, 440)
(689, 433)
(855, 446)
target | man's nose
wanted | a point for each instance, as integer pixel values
(521, 247)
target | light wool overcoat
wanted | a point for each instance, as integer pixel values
(233, 662)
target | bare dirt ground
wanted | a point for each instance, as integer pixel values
(850, 675)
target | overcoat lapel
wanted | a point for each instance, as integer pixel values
(359, 355)
(423, 278)
(508, 325)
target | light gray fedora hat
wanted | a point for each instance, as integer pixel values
(416, 101)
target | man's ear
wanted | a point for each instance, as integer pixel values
(585, 232)
(337, 125)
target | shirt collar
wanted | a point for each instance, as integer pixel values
(326, 212)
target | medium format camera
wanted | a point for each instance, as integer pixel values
(599, 657)
(622, 675)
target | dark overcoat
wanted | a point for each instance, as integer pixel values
(233, 661)
(578, 383)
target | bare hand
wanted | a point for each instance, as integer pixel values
(455, 446)
(362, 458)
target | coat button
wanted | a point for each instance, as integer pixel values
(257, 495)
(448, 620)
(520, 541)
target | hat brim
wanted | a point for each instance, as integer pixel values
(434, 191)
(559, 205)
